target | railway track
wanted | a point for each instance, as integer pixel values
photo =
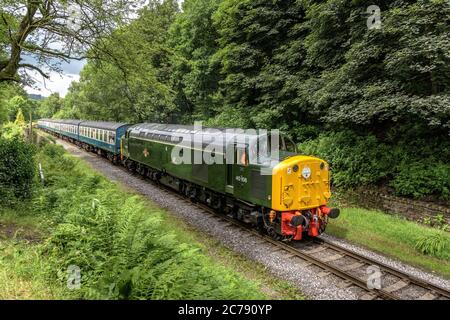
(334, 260)
(394, 282)
(345, 264)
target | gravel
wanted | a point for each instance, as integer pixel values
(305, 278)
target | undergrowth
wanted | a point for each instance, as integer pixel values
(122, 248)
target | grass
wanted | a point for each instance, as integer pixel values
(126, 246)
(21, 273)
(392, 236)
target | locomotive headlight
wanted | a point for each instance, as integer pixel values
(306, 172)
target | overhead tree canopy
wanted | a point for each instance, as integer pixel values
(38, 34)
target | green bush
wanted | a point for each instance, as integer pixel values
(355, 160)
(11, 130)
(17, 168)
(432, 245)
(422, 178)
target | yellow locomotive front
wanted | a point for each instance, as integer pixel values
(300, 193)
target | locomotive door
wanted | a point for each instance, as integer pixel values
(229, 186)
(241, 171)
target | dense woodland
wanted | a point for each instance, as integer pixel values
(375, 103)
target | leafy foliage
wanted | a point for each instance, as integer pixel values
(20, 119)
(17, 169)
(38, 35)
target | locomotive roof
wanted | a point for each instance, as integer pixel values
(106, 125)
(179, 129)
(174, 133)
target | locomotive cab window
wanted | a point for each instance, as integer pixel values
(242, 156)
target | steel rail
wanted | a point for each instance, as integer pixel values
(411, 280)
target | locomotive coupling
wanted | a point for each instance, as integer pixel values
(333, 213)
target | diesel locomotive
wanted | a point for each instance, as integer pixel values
(232, 171)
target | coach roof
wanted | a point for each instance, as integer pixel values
(103, 125)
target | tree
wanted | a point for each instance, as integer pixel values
(7, 92)
(50, 106)
(17, 103)
(45, 30)
(133, 82)
(261, 56)
(195, 74)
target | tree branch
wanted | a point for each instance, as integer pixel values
(30, 66)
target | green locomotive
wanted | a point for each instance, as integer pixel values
(234, 172)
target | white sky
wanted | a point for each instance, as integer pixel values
(57, 83)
